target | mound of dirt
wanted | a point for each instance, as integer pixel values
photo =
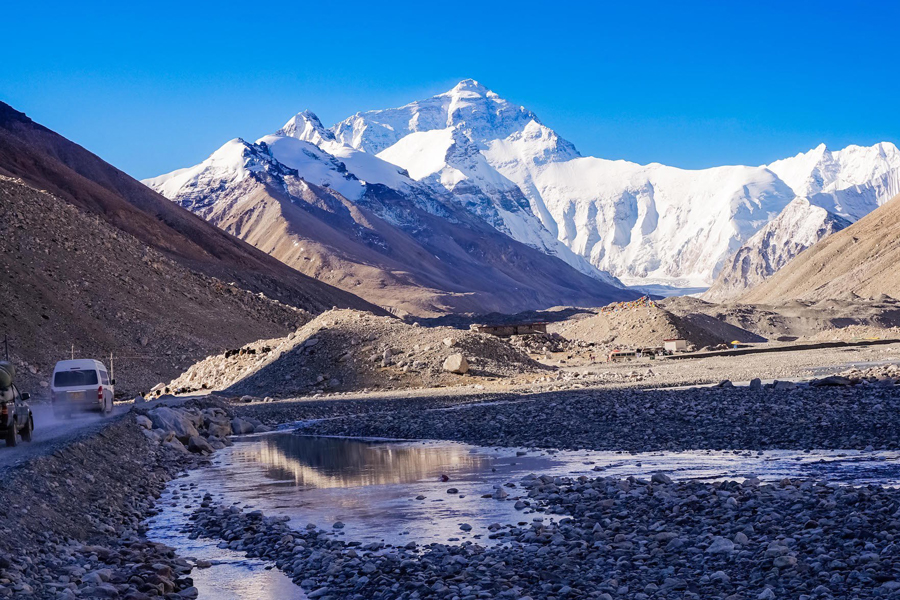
(855, 332)
(820, 320)
(635, 326)
(343, 350)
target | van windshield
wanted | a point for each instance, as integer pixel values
(74, 378)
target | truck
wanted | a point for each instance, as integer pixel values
(16, 419)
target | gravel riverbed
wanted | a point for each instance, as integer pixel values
(75, 519)
(622, 538)
(796, 417)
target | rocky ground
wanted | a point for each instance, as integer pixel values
(75, 517)
(793, 319)
(617, 539)
(72, 521)
(785, 416)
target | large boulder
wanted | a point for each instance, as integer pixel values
(199, 445)
(220, 428)
(456, 363)
(175, 444)
(240, 426)
(169, 419)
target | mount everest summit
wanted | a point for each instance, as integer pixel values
(469, 159)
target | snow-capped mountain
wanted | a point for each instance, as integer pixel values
(470, 148)
(358, 222)
(646, 224)
(799, 226)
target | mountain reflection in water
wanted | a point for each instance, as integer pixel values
(323, 462)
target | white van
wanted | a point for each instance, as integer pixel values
(79, 385)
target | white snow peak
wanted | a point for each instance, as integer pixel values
(646, 224)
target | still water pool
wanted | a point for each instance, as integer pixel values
(401, 491)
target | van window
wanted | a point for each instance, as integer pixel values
(74, 378)
(104, 378)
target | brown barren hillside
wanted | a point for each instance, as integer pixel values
(863, 259)
(70, 279)
(48, 161)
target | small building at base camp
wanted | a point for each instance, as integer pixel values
(675, 345)
(508, 329)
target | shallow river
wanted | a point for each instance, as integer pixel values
(393, 491)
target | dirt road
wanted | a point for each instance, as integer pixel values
(50, 433)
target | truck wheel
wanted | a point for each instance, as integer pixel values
(11, 435)
(29, 427)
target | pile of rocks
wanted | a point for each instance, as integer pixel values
(633, 327)
(888, 374)
(543, 343)
(350, 350)
(629, 538)
(198, 430)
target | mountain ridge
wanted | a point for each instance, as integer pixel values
(860, 260)
(401, 246)
(643, 224)
(48, 161)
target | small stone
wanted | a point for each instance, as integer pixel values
(720, 545)
(661, 478)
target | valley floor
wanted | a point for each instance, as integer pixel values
(585, 536)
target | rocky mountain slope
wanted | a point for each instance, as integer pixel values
(70, 279)
(50, 162)
(646, 224)
(360, 223)
(796, 228)
(861, 259)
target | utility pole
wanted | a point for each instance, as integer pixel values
(6, 346)
(73, 351)
(112, 368)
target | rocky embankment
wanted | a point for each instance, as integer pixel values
(72, 519)
(618, 539)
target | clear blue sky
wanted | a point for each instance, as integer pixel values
(692, 84)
